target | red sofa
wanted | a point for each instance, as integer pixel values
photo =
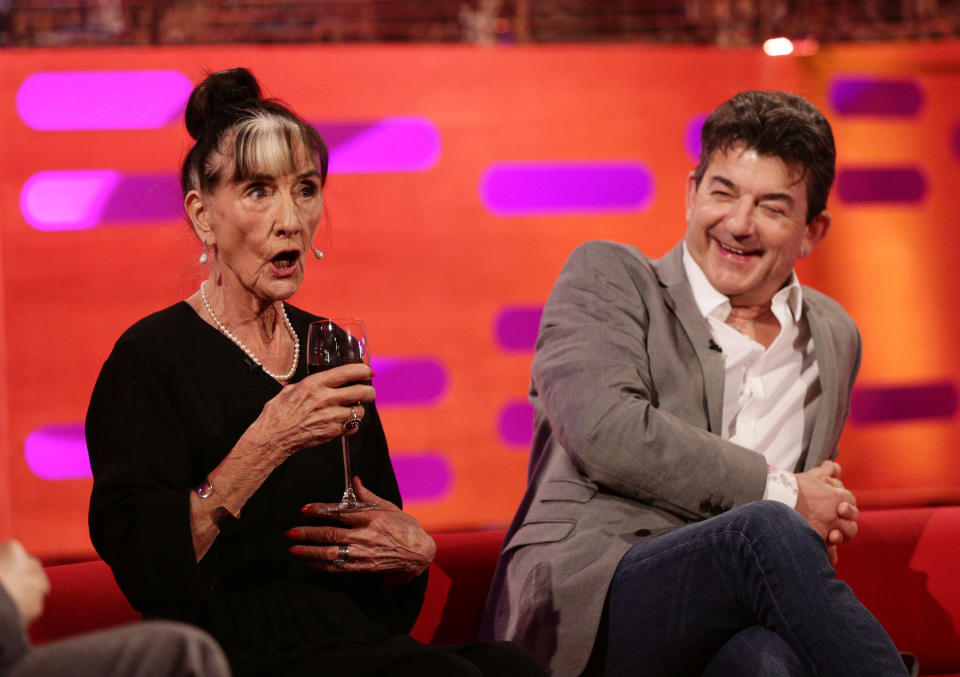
(904, 565)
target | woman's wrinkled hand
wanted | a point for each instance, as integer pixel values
(314, 410)
(386, 540)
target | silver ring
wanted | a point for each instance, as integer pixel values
(338, 563)
(343, 552)
(353, 422)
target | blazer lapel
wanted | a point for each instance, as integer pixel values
(679, 298)
(823, 426)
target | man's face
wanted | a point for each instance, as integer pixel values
(746, 224)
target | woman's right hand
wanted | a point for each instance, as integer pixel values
(302, 415)
(314, 410)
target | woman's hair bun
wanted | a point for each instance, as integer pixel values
(221, 95)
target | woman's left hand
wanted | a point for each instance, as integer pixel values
(386, 540)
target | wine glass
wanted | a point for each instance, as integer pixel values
(332, 343)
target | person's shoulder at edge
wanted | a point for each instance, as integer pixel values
(592, 247)
(592, 250)
(154, 333)
(605, 257)
(159, 325)
(829, 310)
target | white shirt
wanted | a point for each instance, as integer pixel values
(767, 392)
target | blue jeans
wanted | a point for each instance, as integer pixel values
(676, 600)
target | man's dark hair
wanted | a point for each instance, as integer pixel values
(775, 124)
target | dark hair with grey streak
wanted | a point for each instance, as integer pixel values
(233, 124)
(775, 124)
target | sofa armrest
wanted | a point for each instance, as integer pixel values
(457, 590)
(83, 597)
(904, 565)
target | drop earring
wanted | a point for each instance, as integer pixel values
(317, 253)
(203, 256)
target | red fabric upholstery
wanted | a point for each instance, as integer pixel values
(83, 597)
(904, 565)
(466, 560)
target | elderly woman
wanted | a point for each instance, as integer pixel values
(213, 450)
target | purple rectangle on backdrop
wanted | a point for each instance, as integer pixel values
(422, 475)
(57, 451)
(409, 380)
(875, 96)
(515, 423)
(691, 136)
(516, 327)
(85, 100)
(88, 198)
(881, 184)
(544, 188)
(881, 404)
(391, 144)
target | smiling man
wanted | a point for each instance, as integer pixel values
(683, 509)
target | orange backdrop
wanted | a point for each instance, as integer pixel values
(431, 266)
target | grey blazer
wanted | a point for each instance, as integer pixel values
(627, 388)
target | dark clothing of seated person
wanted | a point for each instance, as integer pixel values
(682, 506)
(213, 450)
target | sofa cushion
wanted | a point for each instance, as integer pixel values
(904, 565)
(83, 597)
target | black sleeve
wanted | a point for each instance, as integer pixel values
(140, 506)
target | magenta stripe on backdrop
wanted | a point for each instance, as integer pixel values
(85, 100)
(569, 187)
(417, 381)
(422, 475)
(882, 404)
(904, 185)
(691, 136)
(82, 199)
(57, 451)
(515, 423)
(881, 97)
(392, 144)
(516, 327)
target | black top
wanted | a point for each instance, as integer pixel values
(171, 401)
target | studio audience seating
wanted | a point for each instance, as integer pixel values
(904, 565)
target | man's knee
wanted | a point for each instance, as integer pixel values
(773, 516)
(777, 530)
(755, 652)
(177, 649)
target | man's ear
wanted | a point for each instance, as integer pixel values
(816, 230)
(199, 214)
(691, 192)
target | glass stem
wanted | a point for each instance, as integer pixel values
(348, 495)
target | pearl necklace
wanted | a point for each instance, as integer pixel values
(239, 343)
